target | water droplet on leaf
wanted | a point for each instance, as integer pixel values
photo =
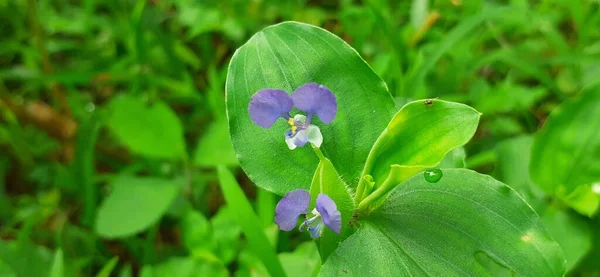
(433, 175)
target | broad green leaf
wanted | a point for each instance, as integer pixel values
(214, 147)
(287, 56)
(134, 204)
(466, 224)
(108, 267)
(327, 181)
(572, 233)
(566, 150)
(249, 221)
(420, 135)
(151, 130)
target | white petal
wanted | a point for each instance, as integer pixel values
(300, 118)
(290, 143)
(314, 135)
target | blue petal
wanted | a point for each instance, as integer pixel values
(290, 207)
(329, 212)
(267, 105)
(316, 99)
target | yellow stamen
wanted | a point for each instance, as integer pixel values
(291, 121)
(294, 128)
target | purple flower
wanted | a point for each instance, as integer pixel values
(295, 203)
(268, 105)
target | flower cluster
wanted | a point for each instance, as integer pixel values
(268, 105)
(265, 108)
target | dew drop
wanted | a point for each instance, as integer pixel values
(432, 175)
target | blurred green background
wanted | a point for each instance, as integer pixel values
(112, 120)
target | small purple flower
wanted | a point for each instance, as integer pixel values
(295, 203)
(268, 105)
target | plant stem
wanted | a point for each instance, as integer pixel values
(369, 165)
(318, 152)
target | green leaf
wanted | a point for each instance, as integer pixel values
(151, 130)
(512, 168)
(420, 135)
(214, 148)
(287, 56)
(583, 200)
(25, 258)
(327, 181)
(251, 224)
(304, 261)
(196, 233)
(566, 150)
(572, 233)
(454, 159)
(58, 264)
(226, 234)
(83, 166)
(108, 267)
(466, 224)
(135, 204)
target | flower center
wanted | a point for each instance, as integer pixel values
(314, 224)
(292, 123)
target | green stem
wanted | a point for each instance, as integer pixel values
(369, 165)
(318, 152)
(380, 192)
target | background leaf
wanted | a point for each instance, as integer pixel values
(135, 204)
(251, 224)
(444, 229)
(151, 130)
(566, 150)
(214, 148)
(571, 232)
(286, 56)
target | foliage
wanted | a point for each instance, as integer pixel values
(122, 155)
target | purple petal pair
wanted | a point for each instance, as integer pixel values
(268, 105)
(295, 203)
